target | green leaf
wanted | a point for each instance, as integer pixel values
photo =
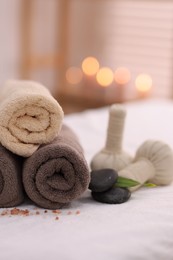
(149, 185)
(125, 183)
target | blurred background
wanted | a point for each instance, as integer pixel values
(89, 53)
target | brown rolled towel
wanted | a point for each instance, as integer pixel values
(56, 173)
(11, 188)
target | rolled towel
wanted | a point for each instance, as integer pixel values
(56, 173)
(11, 188)
(29, 116)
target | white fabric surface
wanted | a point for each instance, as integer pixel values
(140, 229)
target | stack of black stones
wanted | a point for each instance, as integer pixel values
(103, 187)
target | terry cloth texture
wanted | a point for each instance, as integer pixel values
(29, 116)
(56, 173)
(11, 189)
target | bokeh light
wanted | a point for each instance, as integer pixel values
(104, 76)
(122, 75)
(90, 66)
(74, 75)
(143, 82)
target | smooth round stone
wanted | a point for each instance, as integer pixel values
(102, 180)
(115, 195)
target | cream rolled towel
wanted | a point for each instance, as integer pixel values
(29, 116)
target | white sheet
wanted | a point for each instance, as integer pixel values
(140, 229)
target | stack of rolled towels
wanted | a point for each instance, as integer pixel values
(40, 157)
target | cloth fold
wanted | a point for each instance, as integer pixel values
(56, 173)
(11, 188)
(29, 116)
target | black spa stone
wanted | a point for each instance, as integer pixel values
(102, 180)
(115, 195)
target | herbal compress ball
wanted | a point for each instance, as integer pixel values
(153, 162)
(112, 155)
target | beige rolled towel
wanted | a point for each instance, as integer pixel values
(29, 116)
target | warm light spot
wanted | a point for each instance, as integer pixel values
(143, 83)
(105, 77)
(122, 76)
(90, 66)
(74, 75)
